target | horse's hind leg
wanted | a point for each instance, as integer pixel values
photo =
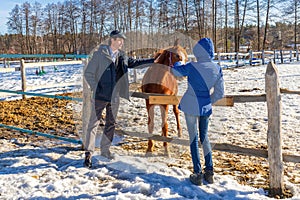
(150, 110)
(176, 112)
(164, 117)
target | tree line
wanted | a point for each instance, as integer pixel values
(78, 26)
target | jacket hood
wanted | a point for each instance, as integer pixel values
(204, 50)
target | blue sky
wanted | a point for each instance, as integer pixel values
(7, 6)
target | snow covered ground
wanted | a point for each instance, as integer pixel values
(53, 169)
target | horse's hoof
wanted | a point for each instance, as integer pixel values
(167, 154)
(149, 154)
(179, 133)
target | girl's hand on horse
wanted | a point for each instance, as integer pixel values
(179, 63)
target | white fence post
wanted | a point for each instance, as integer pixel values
(23, 77)
(250, 57)
(86, 104)
(274, 130)
(275, 53)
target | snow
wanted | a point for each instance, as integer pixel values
(30, 172)
(54, 169)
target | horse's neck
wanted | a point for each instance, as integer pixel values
(167, 63)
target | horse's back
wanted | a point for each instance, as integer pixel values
(159, 79)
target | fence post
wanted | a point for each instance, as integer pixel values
(250, 57)
(263, 56)
(291, 56)
(281, 56)
(86, 104)
(297, 54)
(219, 58)
(23, 77)
(237, 59)
(274, 130)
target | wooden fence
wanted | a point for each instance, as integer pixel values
(258, 57)
(24, 66)
(274, 152)
(272, 97)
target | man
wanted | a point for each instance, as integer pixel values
(106, 75)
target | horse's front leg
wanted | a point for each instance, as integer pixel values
(164, 117)
(150, 110)
(176, 112)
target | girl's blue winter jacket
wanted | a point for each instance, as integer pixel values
(205, 80)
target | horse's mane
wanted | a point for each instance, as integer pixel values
(163, 54)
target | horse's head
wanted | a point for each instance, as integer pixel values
(171, 55)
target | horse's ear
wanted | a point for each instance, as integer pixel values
(161, 57)
(176, 43)
(157, 54)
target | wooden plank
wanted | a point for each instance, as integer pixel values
(249, 98)
(145, 95)
(4, 70)
(58, 85)
(39, 64)
(155, 137)
(287, 91)
(230, 148)
(174, 100)
(164, 100)
(139, 95)
(226, 101)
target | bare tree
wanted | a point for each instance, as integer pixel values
(72, 17)
(243, 19)
(15, 25)
(36, 23)
(236, 26)
(214, 22)
(184, 12)
(266, 25)
(51, 28)
(258, 25)
(296, 7)
(226, 26)
(82, 24)
(26, 14)
(197, 5)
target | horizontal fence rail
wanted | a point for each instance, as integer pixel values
(216, 146)
(42, 64)
(41, 134)
(43, 95)
(255, 58)
(78, 56)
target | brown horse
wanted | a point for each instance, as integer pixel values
(159, 79)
